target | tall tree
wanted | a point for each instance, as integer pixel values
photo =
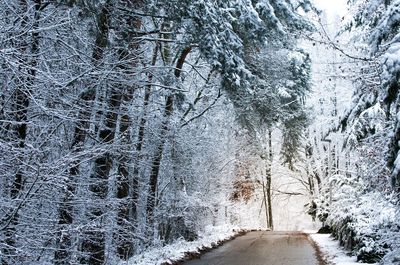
(168, 111)
(86, 99)
(27, 48)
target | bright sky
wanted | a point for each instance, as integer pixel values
(332, 7)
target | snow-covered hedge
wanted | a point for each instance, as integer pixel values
(366, 223)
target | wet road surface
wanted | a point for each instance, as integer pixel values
(262, 248)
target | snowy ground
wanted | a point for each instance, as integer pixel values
(332, 251)
(177, 251)
(330, 248)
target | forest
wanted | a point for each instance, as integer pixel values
(129, 125)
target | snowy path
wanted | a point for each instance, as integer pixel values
(262, 248)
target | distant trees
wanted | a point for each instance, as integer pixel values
(276, 101)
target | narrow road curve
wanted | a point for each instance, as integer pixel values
(263, 248)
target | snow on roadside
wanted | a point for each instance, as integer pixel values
(176, 251)
(332, 251)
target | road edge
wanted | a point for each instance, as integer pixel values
(321, 255)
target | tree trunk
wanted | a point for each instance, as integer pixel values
(140, 140)
(63, 253)
(125, 221)
(269, 181)
(155, 168)
(21, 103)
(127, 194)
(94, 241)
(265, 203)
(394, 148)
(123, 237)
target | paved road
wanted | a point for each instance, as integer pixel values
(262, 248)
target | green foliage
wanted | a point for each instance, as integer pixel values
(295, 117)
(293, 130)
(223, 29)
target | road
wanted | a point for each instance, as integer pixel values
(262, 248)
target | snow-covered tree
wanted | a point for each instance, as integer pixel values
(361, 144)
(118, 118)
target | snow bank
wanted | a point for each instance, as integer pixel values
(332, 251)
(393, 258)
(179, 250)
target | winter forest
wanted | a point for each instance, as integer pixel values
(130, 125)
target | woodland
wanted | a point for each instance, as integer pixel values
(128, 125)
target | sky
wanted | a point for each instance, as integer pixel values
(332, 7)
